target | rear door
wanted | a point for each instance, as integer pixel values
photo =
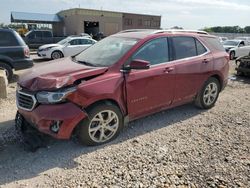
(73, 48)
(192, 61)
(153, 89)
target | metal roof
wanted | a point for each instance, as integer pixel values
(34, 17)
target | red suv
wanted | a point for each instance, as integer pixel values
(123, 77)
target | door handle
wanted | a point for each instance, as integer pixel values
(168, 69)
(205, 61)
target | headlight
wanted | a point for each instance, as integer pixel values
(47, 97)
(46, 49)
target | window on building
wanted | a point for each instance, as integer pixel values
(147, 23)
(128, 21)
(155, 23)
(140, 22)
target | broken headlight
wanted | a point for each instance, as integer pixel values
(53, 97)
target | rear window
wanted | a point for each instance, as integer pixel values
(214, 43)
(8, 39)
(200, 48)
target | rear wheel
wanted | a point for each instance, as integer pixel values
(8, 70)
(56, 55)
(103, 125)
(208, 95)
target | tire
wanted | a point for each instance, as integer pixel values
(91, 131)
(56, 55)
(8, 70)
(209, 93)
(232, 55)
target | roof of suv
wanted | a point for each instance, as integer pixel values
(142, 33)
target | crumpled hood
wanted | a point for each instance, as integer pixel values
(57, 74)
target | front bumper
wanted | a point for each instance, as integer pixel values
(43, 117)
(44, 54)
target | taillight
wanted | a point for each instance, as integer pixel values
(26, 52)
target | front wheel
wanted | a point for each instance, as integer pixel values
(232, 55)
(208, 95)
(103, 125)
(56, 55)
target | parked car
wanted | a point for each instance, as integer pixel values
(222, 39)
(14, 53)
(64, 48)
(245, 39)
(121, 78)
(36, 38)
(239, 52)
(231, 46)
(243, 65)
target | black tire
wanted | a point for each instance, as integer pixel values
(232, 55)
(8, 70)
(200, 100)
(83, 134)
(56, 55)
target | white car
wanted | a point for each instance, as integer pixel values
(231, 46)
(246, 39)
(69, 46)
(222, 39)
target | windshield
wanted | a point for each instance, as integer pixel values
(64, 41)
(106, 52)
(231, 43)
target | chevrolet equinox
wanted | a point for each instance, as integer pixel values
(121, 78)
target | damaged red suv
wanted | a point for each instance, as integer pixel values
(123, 77)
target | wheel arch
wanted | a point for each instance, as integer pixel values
(218, 77)
(8, 62)
(108, 102)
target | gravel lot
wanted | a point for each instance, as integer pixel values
(181, 147)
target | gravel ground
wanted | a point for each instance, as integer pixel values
(181, 147)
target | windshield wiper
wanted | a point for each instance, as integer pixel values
(86, 63)
(83, 62)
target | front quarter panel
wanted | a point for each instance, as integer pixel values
(109, 86)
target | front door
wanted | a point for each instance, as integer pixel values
(152, 89)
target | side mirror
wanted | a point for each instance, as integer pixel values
(138, 64)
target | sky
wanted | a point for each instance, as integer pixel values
(189, 14)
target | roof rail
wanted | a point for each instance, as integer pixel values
(135, 30)
(180, 31)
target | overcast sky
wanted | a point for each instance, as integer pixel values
(190, 14)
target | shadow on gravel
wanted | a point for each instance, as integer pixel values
(17, 164)
(242, 79)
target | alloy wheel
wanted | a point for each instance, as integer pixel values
(210, 93)
(103, 126)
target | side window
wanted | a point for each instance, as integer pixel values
(200, 48)
(8, 39)
(184, 47)
(39, 34)
(74, 42)
(155, 51)
(47, 34)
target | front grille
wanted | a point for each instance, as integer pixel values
(25, 101)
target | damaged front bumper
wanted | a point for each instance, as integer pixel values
(57, 120)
